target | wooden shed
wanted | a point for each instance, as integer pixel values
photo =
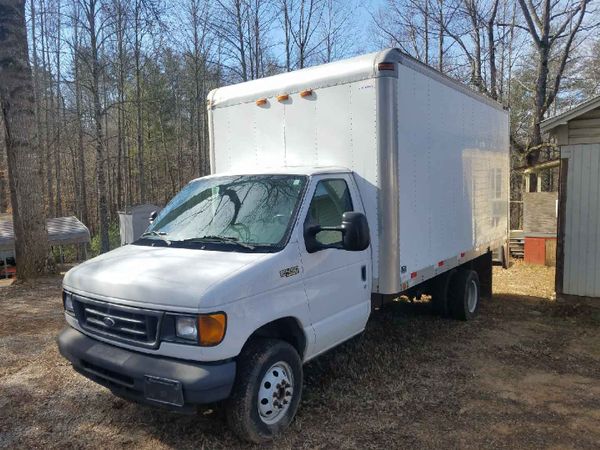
(539, 216)
(577, 133)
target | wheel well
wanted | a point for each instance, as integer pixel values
(287, 329)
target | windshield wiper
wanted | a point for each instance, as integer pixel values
(215, 238)
(160, 234)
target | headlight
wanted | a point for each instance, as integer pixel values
(206, 330)
(186, 328)
(68, 302)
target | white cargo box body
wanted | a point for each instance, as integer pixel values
(430, 156)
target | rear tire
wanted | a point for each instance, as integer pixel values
(464, 294)
(267, 390)
(439, 293)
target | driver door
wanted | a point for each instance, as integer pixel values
(337, 281)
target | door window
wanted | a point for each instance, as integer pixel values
(331, 199)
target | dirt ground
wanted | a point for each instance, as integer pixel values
(524, 374)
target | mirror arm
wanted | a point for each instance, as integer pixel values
(340, 229)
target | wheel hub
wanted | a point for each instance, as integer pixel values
(472, 295)
(275, 392)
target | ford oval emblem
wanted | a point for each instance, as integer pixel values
(109, 322)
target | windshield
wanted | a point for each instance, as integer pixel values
(234, 212)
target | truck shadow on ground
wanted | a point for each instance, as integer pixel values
(400, 343)
(410, 366)
(380, 353)
(411, 379)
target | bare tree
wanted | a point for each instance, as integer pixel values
(137, 20)
(3, 195)
(59, 111)
(92, 24)
(120, 11)
(242, 27)
(80, 182)
(196, 21)
(230, 26)
(415, 26)
(303, 19)
(336, 30)
(553, 26)
(22, 147)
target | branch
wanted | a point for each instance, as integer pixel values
(568, 20)
(530, 24)
(515, 25)
(565, 57)
(536, 18)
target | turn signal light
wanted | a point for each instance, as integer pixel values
(211, 329)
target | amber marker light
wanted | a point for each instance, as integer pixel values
(306, 93)
(211, 329)
(261, 102)
(282, 97)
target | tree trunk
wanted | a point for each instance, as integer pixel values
(57, 151)
(426, 31)
(121, 96)
(540, 99)
(287, 36)
(240, 35)
(81, 182)
(492, 51)
(3, 196)
(47, 107)
(97, 119)
(441, 38)
(23, 153)
(138, 99)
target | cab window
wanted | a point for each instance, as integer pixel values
(330, 200)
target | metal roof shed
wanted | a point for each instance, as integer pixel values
(577, 132)
(61, 231)
(134, 221)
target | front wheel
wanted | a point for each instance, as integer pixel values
(267, 390)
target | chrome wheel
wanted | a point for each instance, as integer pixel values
(472, 295)
(275, 392)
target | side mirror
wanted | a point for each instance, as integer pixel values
(354, 229)
(153, 215)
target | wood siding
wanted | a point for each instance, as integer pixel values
(539, 212)
(581, 252)
(585, 129)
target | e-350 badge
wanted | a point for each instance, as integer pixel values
(289, 272)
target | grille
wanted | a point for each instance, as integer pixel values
(123, 323)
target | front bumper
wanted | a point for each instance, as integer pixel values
(135, 376)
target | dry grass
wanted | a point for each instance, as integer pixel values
(523, 374)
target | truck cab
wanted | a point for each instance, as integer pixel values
(232, 263)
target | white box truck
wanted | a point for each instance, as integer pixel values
(334, 189)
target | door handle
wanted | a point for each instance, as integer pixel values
(363, 273)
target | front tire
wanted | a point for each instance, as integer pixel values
(267, 391)
(464, 294)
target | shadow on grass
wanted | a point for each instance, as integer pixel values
(407, 361)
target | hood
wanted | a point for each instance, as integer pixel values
(161, 277)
